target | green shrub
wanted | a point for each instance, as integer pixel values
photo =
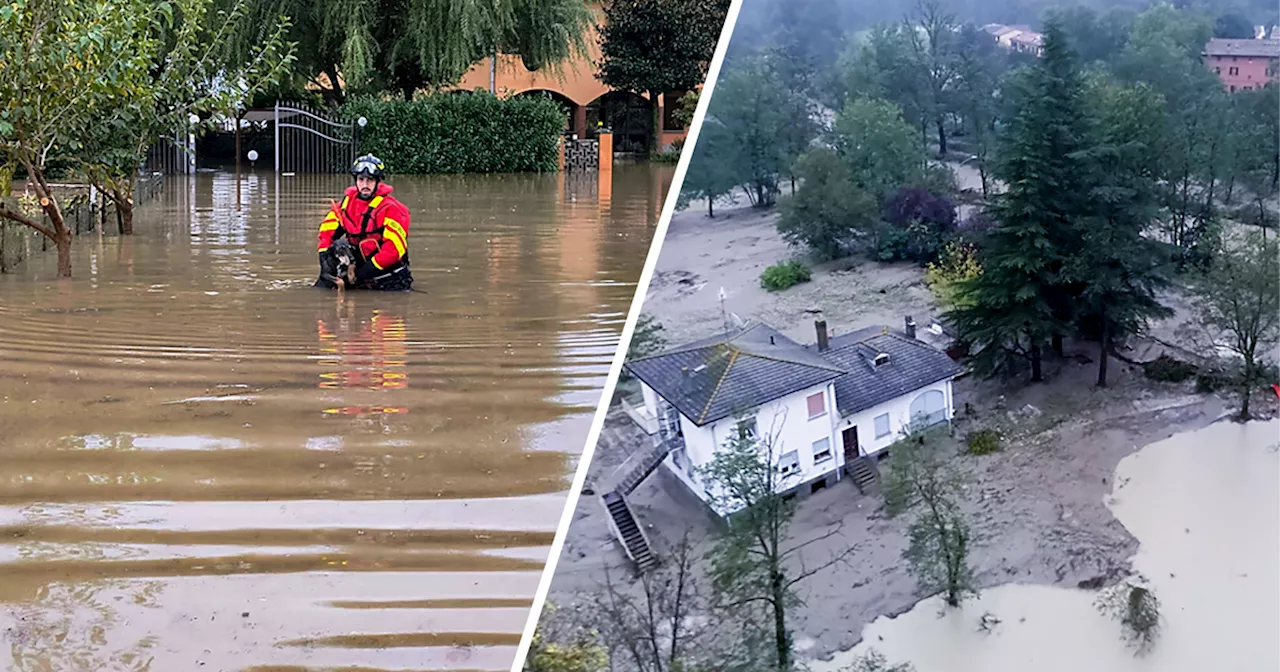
(1168, 370)
(983, 442)
(1209, 381)
(784, 274)
(472, 132)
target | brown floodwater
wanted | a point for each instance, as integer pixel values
(207, 464)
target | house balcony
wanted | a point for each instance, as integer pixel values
(642, 416)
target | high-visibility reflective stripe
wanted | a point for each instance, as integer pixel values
(377, 265)
(396, 240)
(377, 200)
(395, 226)
(345, 201)
(323, 249)
(329, 225)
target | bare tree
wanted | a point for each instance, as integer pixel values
(755, 561)
(922, 480)
(664, 621)
(931, 31)
(1238, 297)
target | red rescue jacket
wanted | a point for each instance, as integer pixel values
(379, 227)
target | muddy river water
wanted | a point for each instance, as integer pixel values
(206, 464)
(1205, 507)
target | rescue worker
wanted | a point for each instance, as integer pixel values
(363, 240)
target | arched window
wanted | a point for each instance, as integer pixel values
(928, 409)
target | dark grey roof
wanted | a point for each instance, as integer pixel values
(1268, 48)
(912, 365)
(731, 373)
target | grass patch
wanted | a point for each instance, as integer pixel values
(784, 274)
(983, 442)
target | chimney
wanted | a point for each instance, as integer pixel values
(821, 327)
(911, 327)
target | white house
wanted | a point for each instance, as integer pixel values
(822, 405)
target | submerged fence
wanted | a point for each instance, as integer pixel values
(84, 209)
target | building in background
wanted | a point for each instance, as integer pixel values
(1244, 64)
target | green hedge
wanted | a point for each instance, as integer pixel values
(783, 275)
(469, 132)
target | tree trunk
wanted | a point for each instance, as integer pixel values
(1057, 345)
(711, 207)
(1246, 391)
(61, 234)
(63, 241)
(1036, 375)
(942, 137)
(1104, 351)
(655, 143)
(124, 206)
(332, 73)
(782, 640)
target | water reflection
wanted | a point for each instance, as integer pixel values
(193, 433)
(363, 352)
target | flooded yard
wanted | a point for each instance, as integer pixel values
(205, 463)
(1204, 508)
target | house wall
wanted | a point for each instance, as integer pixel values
(899, 410)
(786, 420)
(1249, 71)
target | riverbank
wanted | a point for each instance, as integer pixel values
(1204, 505)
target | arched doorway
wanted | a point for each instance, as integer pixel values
(629, 115)
(571, 109)
(928, 409)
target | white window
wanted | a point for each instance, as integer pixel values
(817, 405)
(789, 464)
(882, 426)
(821, 450)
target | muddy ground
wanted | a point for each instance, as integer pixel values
(1037, 506)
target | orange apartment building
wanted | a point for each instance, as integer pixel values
(586, 99)
(1244, 64)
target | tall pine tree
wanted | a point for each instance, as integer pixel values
(1117, 269)
(1023, 299)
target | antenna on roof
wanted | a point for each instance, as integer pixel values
(724, 314)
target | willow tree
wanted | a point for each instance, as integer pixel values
(187, 77)
(64, 62)
(405, 45)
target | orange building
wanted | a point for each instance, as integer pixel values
(587, 100)
(1244, 64)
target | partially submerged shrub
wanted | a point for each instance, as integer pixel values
(1137, 609)
(784, 274)
(1166, 369)
(983, 442)
(874, 661)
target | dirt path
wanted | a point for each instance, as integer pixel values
(702, 255)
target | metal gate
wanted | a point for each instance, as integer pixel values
(310, 141)
(173, 155)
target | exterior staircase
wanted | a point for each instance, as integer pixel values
(864, 473)
(628, 531)
(645, 464)
(622, 522)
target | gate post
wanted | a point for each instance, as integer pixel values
(277, 127)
